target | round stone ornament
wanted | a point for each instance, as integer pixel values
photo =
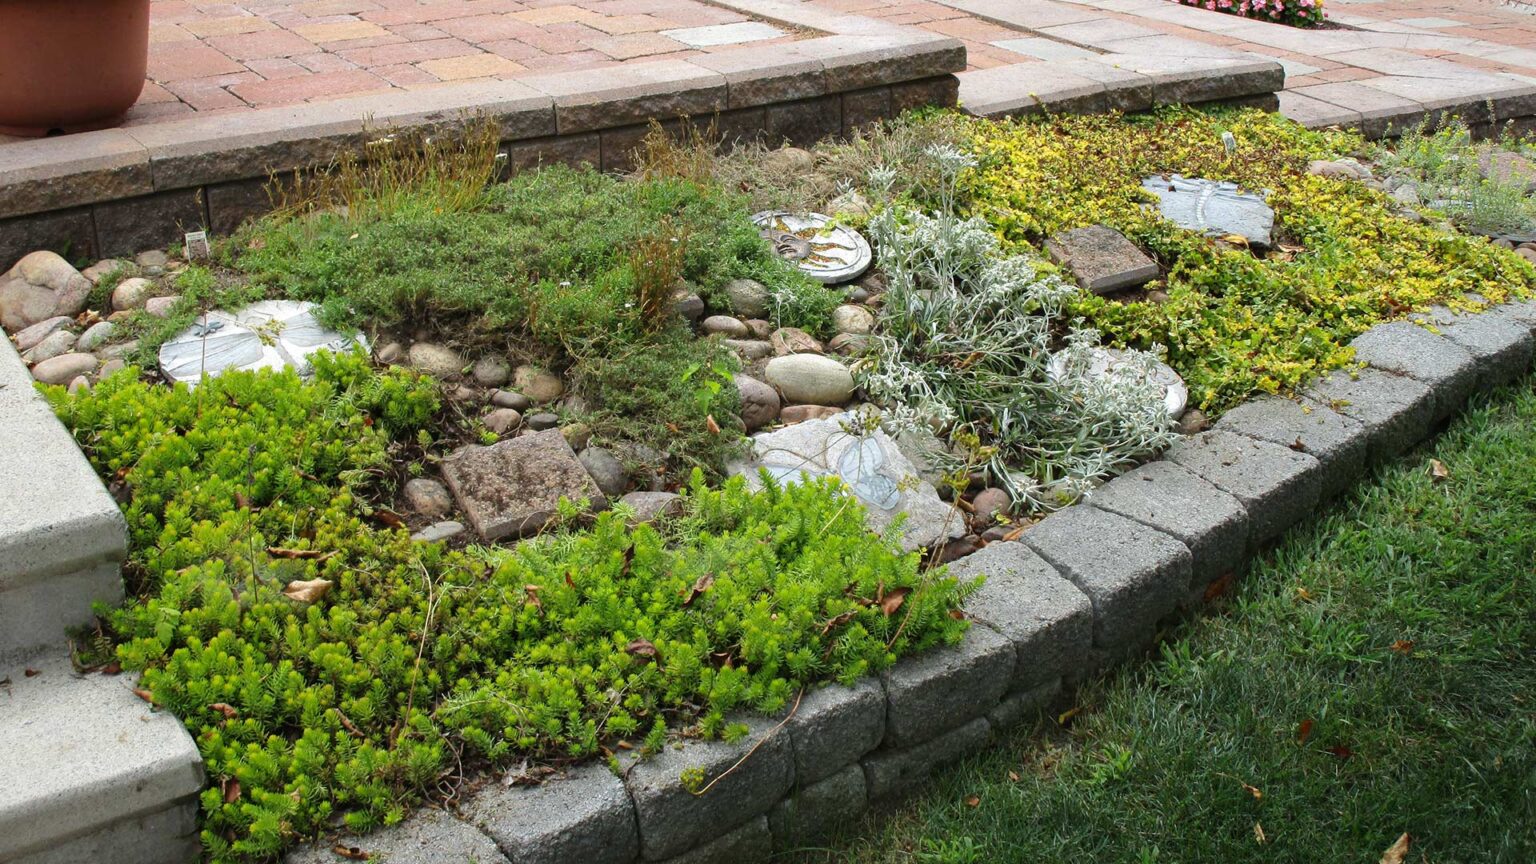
(271, 334)
(1105, 360)
(823, 250)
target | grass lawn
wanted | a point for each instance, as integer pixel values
(1374, 675)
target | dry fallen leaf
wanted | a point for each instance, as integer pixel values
(144, 694)
(1256, 792)
(892, 601)
(700, 585)
(351, 853)
(1013, 776)
(1066, 716)
(973, 800)
(298, 554)
(1403, 646)
(642, 648)
(307, 591)
(1304, 731)
(226, 709)
(1219, 587)
(711, 425)
(1303, 595)
(231, 791)
(1397, 853)
(1438, 472)
(30, 672)
(1258, 833)
(1342, 752)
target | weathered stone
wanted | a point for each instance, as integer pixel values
(49, 270)
(96, 335)
(748, 297)
(1278, 486)
(513, 487)
(793, 340)
(687, 304)
(538, 385)
(814, 810)
(1171, 499)
(1500, 347)
(869, 463)
(502, 421)
(113, 365)
(759, 328)
(751, 843)
(1397, 411)
(543, 420)
(29, 337)
(673, 820)
(789, 161)
(834, 726)
(160, 307)
(391, 353)
(426, 837)
(1339, 443)
(1522, 312)
(650, 506)
(990, 502)
(1101, 259)
(491, 371)
(428, 498)
(439, 361)
(888, 773)
(1133, 574)
(725, 325)
(132, 294)
(23, 304)
(438, 532)
(1216, 209)
(578, 435)
(584, 815)
(152, 258)
(1021, 705)
(1046, 618)
(849, 344)
(64, 368)
(810, 378)
(856, 320)
(759, 402)
(78, 385)
(938, 690)
(1408, 349)
(105, 267)
(606, 470)
(792, 414)
(57, 342)
(510, 399)
(749, 349)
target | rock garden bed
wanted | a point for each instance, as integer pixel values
(539, 498)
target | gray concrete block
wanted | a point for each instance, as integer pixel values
(1022, 705)
(166, 836)
(1397, 411)
(1500, 346)
(425, 837)
(82, 755)
(1278, 486)
(1167, 497)
(1408, 349)
(1341, 444)
(892, 772)
(930, 693)
(673, 820)
(1048, 620)
(1520, 311)
(748, 844)
(813, 812)
(834, 726)
(1133, 574)
(585, 815)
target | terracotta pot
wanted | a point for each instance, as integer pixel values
(70, 65)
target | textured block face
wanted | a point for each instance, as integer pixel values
(584, 816)
(1133, 574)
(1021, 705)
(511, 488)
(1102, 259)
(835, 726)
(1169, 498)
(748, 844)
(891, 772)
(812, 812)
(427, 837)
(930, 693)
(1048, 620)
(1278, 486)
(1397, 412)
(1500, 346)
(673, 820)
(1340, 443)
(1408, 349)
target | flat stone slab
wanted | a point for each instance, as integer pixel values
(929, 693)
(870, 464)
(1134, 575)
(584, 815)
(272, 334)
(823, 250)
(1409, 349)
(1172, 500)
(1340, 443)
(1215, 209)
(1397, 411)
(425, 837)
(1277, 485)
(513, 487)
(1500, 346)
(724, 34)
(1101, 259)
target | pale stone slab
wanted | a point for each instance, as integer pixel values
(724, 34)
(584, 815)
(1102, 259)
(513, 487)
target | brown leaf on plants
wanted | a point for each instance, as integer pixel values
(298, 554)
(838, 621)
(1438, 472)
(1014, 534)
(1304, 731)
(389, 518)
(569, 582)
(112, 668)
(629, 559)
(1340, 751)
(226, 709)
(711, 425)
(531, 592)
(973, 800)
(892, 601)
(1403, 646)
(1219, 587)
(242, 502)
(307, 591)
(700, 585)
(642, 648)
(958, 614)
(1397, 853)
(231, 789)
(351, 853)
(1256, 792)
(1066, 716)
(1013, 776)
(144, 694)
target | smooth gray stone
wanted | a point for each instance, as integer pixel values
(890, 772)
(1397, 411)
(814, 811)
(1278, 486)
(425, 837)
(1169, 498)
(1340, 443)
(1408, 349)
(584, 816)
(1500, 346)
(1048, 620)
(929, 693)
(1133, 574)
(835, 726)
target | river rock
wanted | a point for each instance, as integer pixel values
(650, 506)
(428, 497)
(64, 368)
(748, 297)
(759, 328)
(749, 349)
(391, 353)
(96, 335)
(988, 503)
(849, 318)
(132, 294)
(543, 420)
(438, 532)
(869, 463)
(793, 340)
(849, 344)
(56, 343)
(492, 371)
(810, 378)
(49, 271)
(537, 385)
(791, 414)
(759, 402)
(30, 336)
(513, 487)
(726, 326)
(510, 399)
(606, 470)
(436, 360)
(23, 305)
(687, 304)
(503, 420)
(161, 307)
(104, 267)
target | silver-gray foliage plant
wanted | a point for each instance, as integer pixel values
(964, 349)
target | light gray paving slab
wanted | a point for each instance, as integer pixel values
(674, 820)
(835, 726)
(891, 772)
(1381, 113)
(1500, 346)
(1278, 486)
(1134, 575)
(1028, 88)
(1047, 618)
(1340, 443)
(1183, 80)
(1397, 411)
(937, 690)
(1315, 113)
(747, 844)
(583, 815)
(714, 35)
(1099, 32)
(812, 812)
(1169, 498)
(166, 836)
(1521, 312)
(1044, 49)
(1407, 349)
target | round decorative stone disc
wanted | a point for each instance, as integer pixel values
(828, 253)
(271, 334)
(1175, 393)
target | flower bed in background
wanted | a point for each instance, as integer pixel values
(1297, 13)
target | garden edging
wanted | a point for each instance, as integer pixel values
(1080, 591)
